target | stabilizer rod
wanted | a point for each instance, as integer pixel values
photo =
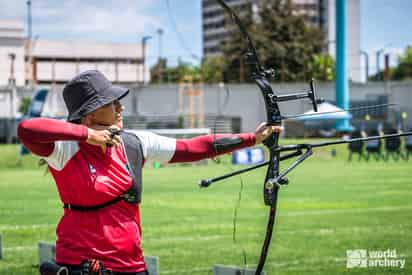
(298, 151)
(207, 182)
(321, 144)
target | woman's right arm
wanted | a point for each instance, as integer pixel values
(39, 134)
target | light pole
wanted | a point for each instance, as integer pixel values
(144, 42)
(378, 64)
(342, 80)
(141, 83)
(386, 72)
(29, 46)
(29, 20)
(160, 32)
(366, 55)
(12, 79)
(159, 63)
(30, 63)
(13, 97)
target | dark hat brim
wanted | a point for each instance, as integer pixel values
(107, 96)
(117, 92)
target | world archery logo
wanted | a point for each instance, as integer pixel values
(357, 258)
(374, 258)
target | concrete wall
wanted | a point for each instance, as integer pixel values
(243, 101)
(246, 102)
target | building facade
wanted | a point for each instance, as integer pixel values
(12, 52)
(38, 61)
(58, 61)
(320, 13)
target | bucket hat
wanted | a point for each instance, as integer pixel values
(87, 92)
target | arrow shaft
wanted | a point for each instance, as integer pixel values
(321, 144)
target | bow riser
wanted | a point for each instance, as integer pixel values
(273, 115)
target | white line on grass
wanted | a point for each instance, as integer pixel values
(300, 263)
(292, 213)
(27, 226)
(190, 271)
(317, 231)
(20, 248)
(289, 213)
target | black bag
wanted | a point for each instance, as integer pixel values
(51, 268)
(88, 267)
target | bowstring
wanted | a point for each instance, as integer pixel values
(219, 116)
(235, 211)
(239, 198)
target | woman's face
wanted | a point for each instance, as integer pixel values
(108, 115)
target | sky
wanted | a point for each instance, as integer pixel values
(384, 24)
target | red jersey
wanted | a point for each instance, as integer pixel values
(87, 176)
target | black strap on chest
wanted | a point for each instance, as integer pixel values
(134, 160)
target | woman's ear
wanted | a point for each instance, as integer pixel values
(86, 120)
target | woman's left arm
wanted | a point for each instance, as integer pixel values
(203, 147)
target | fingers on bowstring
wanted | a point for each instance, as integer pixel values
(277, 129)
(116, 139)
(108, 137)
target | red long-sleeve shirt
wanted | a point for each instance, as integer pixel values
(85, 175)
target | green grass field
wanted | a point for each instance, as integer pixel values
(330, 206)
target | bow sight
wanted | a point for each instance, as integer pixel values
(311, 94)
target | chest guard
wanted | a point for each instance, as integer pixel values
(134, 160)
(134, 157)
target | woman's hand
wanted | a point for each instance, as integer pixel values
(103, 135)
(264, 131)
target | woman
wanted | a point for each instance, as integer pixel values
(89, 164)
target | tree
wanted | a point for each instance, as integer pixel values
(404, 69)
(158, 70)
(212, 70)
(160, 73)
(234, 47)
(322, 67)
(283, 41)
(24, 105)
